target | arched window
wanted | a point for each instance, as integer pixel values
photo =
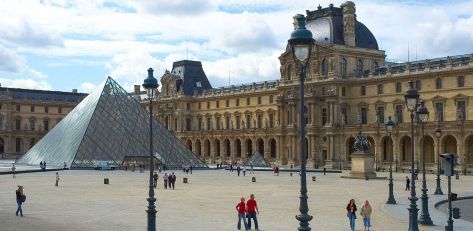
(438, 83)
(325, 68)
(359, 68)
(289, 72)
(18, 145)
(461, 81)
(343, 67)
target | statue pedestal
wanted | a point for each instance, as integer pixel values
(362, 167)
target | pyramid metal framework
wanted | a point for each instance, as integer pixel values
(110, 125)
(256, 160)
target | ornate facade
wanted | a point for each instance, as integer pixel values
(349, 87)
(27, 115)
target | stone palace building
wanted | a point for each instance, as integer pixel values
(349, 87)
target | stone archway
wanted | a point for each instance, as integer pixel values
(249, 147)
(207, 148)
(198, 147)
(217, 147)
(189, 145)
(273, 148)
(429, 150)
(260, 146)
(238, 148)
(449, 144)
(405, 149)
(387, 149)
(2, 146)
(373, 145)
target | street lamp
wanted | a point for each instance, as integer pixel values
(411, 97)
(301, 43)
(438, 134)
(151, 84)
(390, 125)
(424, 219)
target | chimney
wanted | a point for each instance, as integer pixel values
(137, 89)
(349, 23)
(74, 90)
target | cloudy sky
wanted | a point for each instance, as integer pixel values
(61, 45)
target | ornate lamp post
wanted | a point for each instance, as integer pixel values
(411, 97)
(438, 134)
(151, 84)
(301, 43)
(389, 125)
(424, 219)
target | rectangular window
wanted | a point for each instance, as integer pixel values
(343, 91)
(439, 111)
(380, 114)
(188, 106)
(32, 108)
(227, 122)
(209, 123)
(218, 123)
(344, 115)
(238, 121)
(18, 145)
(200, 123)
(46, 109)
(461, 81)
(364, 115)
(237, 102)
(461, 110)
(259, 99)
(399, 114)
(270, 99)
(324, 116)
(59, 110)
(18, 124)
(46, 125)
(398, 87)
(248, 121)
(18, 108)
(363, 90)
(438, 83)
(217, 104)
(260, 121)
(200, 105)
(248, 101)
(208, 105)
(188, 124)
(32, 124)
(227, 103)
(271, 120)
(380, 89)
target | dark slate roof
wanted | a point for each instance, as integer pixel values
(41, 95)
(329, 28)
(190, 76)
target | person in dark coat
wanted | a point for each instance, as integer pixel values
(408, 183)
(351, 213)
(238, 170)
(172, 181)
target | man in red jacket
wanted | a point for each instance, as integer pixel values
(252, 209)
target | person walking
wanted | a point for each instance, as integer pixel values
(241, 209)
(238, 170)
(65, 165)
(44, 166)
(41, 165)
(165, 179)
(251, 170)
(20, 198)
(252, 209)
(244, 170)
(57, 179)
(155, 179)
(190, 167)
(366, 214)
(172, 180)
(351, 213)
(13, 171)
(408, 183)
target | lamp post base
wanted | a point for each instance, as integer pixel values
(438, 189)
(304, 222)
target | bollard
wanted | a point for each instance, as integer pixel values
(105, 181)
(313, 178)
(184, 180)
(253, 179)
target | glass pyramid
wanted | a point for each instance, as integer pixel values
(109, 125)
(256, 160)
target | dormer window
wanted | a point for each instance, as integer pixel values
(198, 84)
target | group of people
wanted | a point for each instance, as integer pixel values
(42, 164)
(187, 168)
(276, 171)
(169, 180)
(365, 213)
(246, 212)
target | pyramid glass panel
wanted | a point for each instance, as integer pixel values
(116, 126)
(256, 160)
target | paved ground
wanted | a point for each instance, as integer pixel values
(83, 202)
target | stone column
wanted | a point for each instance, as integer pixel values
(267, 153)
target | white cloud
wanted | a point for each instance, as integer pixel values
(87, 87)
(10, 61)
(131, 68)
(25, 83)
(25, 33)
(182, 8)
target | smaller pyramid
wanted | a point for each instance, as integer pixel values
(256, 160)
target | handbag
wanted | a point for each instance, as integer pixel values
(23, 198)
